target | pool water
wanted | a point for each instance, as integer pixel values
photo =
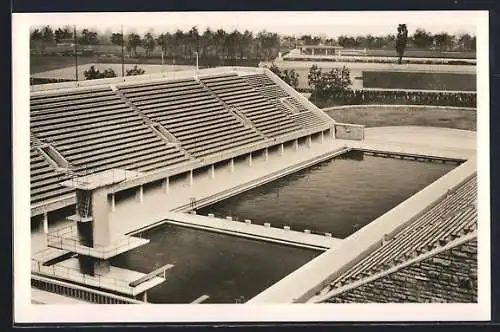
(337, 196)
(224, 267)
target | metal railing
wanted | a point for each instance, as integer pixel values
(66, 239)
(79, 292)
(67, 273)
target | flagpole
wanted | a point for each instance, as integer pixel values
(123, 56)
(76, 52)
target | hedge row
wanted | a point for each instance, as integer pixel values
(387, 60)
(399, 97)
(36, 81)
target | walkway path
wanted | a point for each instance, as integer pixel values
(442, 142)
(248, 230)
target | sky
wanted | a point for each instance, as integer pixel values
(331, 24)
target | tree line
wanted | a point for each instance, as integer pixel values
(182, 44)
(234, 44)
(420, 39)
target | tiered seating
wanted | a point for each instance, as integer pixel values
(307, 119)
(192, 114)
(282, 107)
(453, 217)
(298, 106)
(95, 130)
(450, 276)
(272, 91)
(235, 91)
(259, 80)
(45, 179)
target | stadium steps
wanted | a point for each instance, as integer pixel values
(307, 119)
(157, 128)
(46, 183)
(236, 113)
(98, 130)
(186, 108)
(262, 83)
(235, 91)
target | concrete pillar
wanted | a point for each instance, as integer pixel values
(332, 132)
(309, 141)
(312, 51)
(250, 159)
(296, 145)
(282, 149)
(102, 266)
(113, 206)
(322, 137)
(145, 297)
(140, 194)
(266, 154)
(191, 178)
(212, 171)
(45, 223)
(231, 165)
(166, 185)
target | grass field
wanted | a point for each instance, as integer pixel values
(42, 63)
(424, 81)
(406, 116)
(39, 64)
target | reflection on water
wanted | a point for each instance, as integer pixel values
(337, 196)
(224, 267)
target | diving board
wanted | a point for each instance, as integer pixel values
(151, 275)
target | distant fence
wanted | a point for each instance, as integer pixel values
(400, 97)
(372, 59)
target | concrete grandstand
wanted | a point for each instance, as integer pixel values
(126, 135)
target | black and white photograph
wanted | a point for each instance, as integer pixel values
(251, 166)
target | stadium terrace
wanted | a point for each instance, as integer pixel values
(114, 158)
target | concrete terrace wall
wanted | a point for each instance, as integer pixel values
(303, 283)
(349, 131)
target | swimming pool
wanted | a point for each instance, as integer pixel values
(337, 196)
(224, 267)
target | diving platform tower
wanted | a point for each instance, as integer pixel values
(91, 236)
